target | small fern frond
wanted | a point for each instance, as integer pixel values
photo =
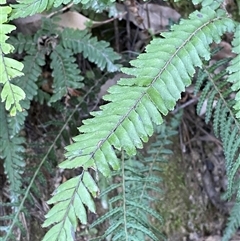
(23, 43)
(225, 124)
(130, 212)
(233, 222)
(234, 70)
(95, 51)
(32, 70)
(70, 206)
(66, 73)
(11, 151)
(214, 86)
(9, 68)
(138, 103)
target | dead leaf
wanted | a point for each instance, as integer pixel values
(72, 19)
(154, 16)
(75, 20)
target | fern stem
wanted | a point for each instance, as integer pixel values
(42, 162)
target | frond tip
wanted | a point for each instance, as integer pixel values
(69, 200)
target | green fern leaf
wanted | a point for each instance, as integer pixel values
(210, 3)
(170, 66)
(233, 222)
(23, 43)
(10, 68)
(25, 8)
(225, 123)
(234, 70)
(65, 72)
(97, 52)
(12, 95)
(69, 205)
(32, 70)
(11, 151)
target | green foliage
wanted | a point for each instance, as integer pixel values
(234, 70)
(97, 52)
(225, 124)
(233, 222)
(134, 106)
(133, 208)
(47, 44)
(66, 211)
(65, 72)
(217, 93)
(10, 68)
(128, 119)
(11, 144)
(25, 8)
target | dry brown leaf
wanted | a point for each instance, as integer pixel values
(75, 20)
(72, 19)
(154, 16)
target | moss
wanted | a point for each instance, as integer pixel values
(185, 207)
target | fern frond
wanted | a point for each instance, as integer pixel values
(234, 70)
(98, 6)
(9, 68)
(70, 206)
(23, 43)
(11, 150)
(25, 8)
(32, 70)
(128, 119)
(233, 222)
(132, 209)
(225, 124)
(210, 3)
(95, 51)
(155, 89)
(214, 84)
(65, 72)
